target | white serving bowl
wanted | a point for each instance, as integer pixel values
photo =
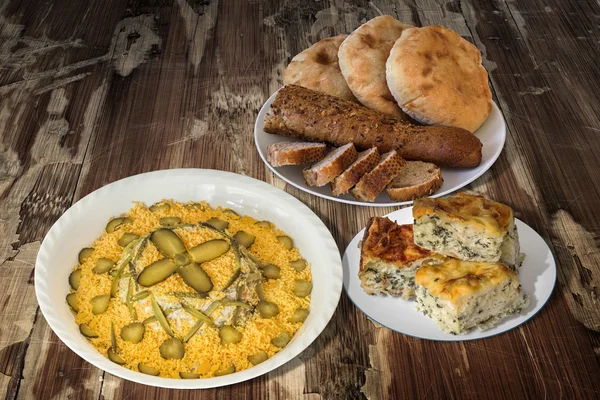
(81, 224)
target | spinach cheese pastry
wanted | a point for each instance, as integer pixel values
(389, 258)
(467, 227)
(461, 295)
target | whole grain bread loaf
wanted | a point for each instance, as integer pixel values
(373, 183)
(332, 165)
(303, 113)
(294, 153)
(365, 162)
(416, 179)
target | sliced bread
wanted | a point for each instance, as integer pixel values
(372, 183)
(416, 179)
(294, 153)
(332, 165)
(366, 161)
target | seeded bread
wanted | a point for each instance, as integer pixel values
(332, 165)
(373, 183)
(366, 161)
(416, 179)
(294, 153)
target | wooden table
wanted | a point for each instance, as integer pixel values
(94, 91)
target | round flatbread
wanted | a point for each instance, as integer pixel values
(437, 78)
(362, 61)
(317, 68)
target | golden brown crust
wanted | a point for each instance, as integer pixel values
(481, 213)
(331, 166)
(374, 182)
(303, 113)
(293, 153)
(427, 180)
(362, 58)
(454, 280)
(437, 78)
(366, 162)
(317, 68)
(391, 243)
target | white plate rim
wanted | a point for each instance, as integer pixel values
(454, 338)
(258, 130)
(330, 255)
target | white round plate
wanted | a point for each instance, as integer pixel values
(86, 219)
(492, 135)
(537, 275)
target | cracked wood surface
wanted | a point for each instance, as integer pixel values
(91, 92)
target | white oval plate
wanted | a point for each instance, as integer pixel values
(492, 135)
(537, 275)
(81, 224)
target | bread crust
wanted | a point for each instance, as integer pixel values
(331, 166)
(375, 181)
(437, 78)
(362, 58)
(366, 161)
(303, 113)
(408, 193)
(284, 153)
(317, 68)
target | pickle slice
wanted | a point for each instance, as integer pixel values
(226, 371)
(282, 340)
(145, 369)
(100, 304)
(114, 357)
(298, 265)
(156, 272)
(264, 224)
(271, 271)
(267, 309)
(133, 333)
(218, 223)
(229, 211)
(127, 238)
(299, 315)
(84, 254)
(286, 241)
(209, 250)
(188, 375)
(172, 349)
(229, 335)
(244, 238)
(167, 242)
(103, 265)
(258, 357)
(74, 279)
(116, 223)
(87, 331)
(193, 275)
(72, 301)
(182, 259)
(302, 288)
(169, 221)
(159, 206)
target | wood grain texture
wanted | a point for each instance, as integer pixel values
(91, 92)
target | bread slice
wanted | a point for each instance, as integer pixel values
(366, 161)
(331, 166)
(416, 179)
(373, 183)
(294, 153)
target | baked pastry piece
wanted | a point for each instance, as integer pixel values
(365, 162)
(389, 258)
(437, 78)
(317, 68)
(461, 295)
(416, 179)
(294, 153)
(372, 183)
(331, 166)
(469, 228)
(362, 59)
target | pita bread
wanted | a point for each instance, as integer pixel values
(317, 68)
(362, 59)
(437, 78)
